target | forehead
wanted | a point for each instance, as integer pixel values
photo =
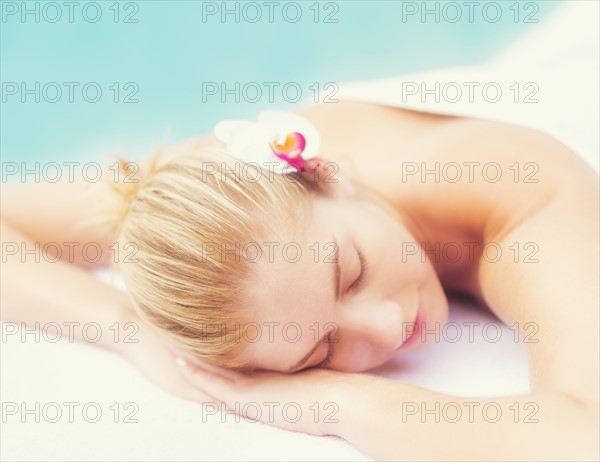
(290, 295)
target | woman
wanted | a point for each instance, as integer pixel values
(362, 278)
(373, 216)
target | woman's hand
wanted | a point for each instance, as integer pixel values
(313, 401)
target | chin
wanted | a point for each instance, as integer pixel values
(441, 313)
(435, 306)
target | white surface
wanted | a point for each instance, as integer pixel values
(171, 429)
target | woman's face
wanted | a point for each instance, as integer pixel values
(344, 292)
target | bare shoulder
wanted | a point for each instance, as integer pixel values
(504, 144)
(530, 171)
(497, 174)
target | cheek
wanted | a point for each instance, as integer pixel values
(400, 257)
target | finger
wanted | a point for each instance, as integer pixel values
(217, 386)
(186, 360)
(221, 371)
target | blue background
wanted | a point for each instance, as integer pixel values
(171, 50)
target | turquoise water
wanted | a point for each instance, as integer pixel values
(161, 56)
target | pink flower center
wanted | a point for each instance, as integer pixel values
(292, 147)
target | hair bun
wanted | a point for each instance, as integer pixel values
(114, 195)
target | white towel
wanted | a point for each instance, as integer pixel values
(488, 361)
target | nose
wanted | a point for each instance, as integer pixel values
(381, 323)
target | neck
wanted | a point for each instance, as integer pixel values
(440, 243)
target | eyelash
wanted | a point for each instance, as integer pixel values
(327, 359)
(355, 285)
(363, 269)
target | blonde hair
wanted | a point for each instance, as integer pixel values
(174, 215)
(173, 210)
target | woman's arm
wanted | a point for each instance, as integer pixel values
(395, 421)
(558, 292)
(43, 279)
(38, 223)
(389, 420)
(49, 235)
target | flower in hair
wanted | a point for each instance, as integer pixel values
(279, 140)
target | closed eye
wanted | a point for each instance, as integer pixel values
(363, 270)
(325, 363)
(354, 286)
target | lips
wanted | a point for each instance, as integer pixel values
(416, 327)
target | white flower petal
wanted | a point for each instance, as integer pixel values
(223, 129)
(250, 141)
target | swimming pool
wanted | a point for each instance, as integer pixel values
(85, 79)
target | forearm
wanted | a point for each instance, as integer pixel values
(38, 292)
(395, 421)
